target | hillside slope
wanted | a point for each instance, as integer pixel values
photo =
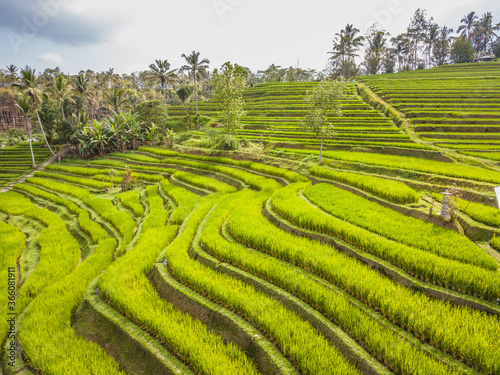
(452, 106)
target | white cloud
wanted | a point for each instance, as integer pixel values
(97, 35)
(51, 58)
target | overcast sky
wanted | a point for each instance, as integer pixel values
(129, 35)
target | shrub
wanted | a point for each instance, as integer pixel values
(153, 111)
(462, 51)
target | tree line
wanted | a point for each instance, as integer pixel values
(97, 112)
(425, 44)
(89, 110)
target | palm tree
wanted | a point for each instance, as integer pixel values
(117, 100)
(401, 49)
(82, 87)
(161, 74)
(11, 73)
(60, 89)
(272, 73)
(374, 51)
(484, 31)
(431, 37)
(196, 69)
(346, 44)
(11, 69)
(32, 88)
(442, 45)
(25, 106)
(467, 25)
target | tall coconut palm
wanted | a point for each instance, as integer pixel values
(25, 106)
(60, 89)
(467, 25)
(484, 31)
(375, 49)
(196, 69)
(82, 86)
(346, 44)
(401, 49)
(32, 88)
(430, 38)
(160, 72)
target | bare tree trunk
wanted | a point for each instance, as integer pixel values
(321, 149)
(62, 110)
(28, 130)
(3, 119)
(43, 133)
(195, 92)
(228, 130)
(91, 109)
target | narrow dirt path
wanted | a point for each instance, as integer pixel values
(57, 156)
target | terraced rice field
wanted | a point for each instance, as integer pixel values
(224, 265)
(274, 112)
(213, 265)
(452, 106)
(16, 161)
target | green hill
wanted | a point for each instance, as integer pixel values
(452, 106)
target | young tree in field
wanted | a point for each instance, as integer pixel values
(32, 88)
(227, 86)
(26, 108)
(196, 69)
(324, 100)
(160, 72)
